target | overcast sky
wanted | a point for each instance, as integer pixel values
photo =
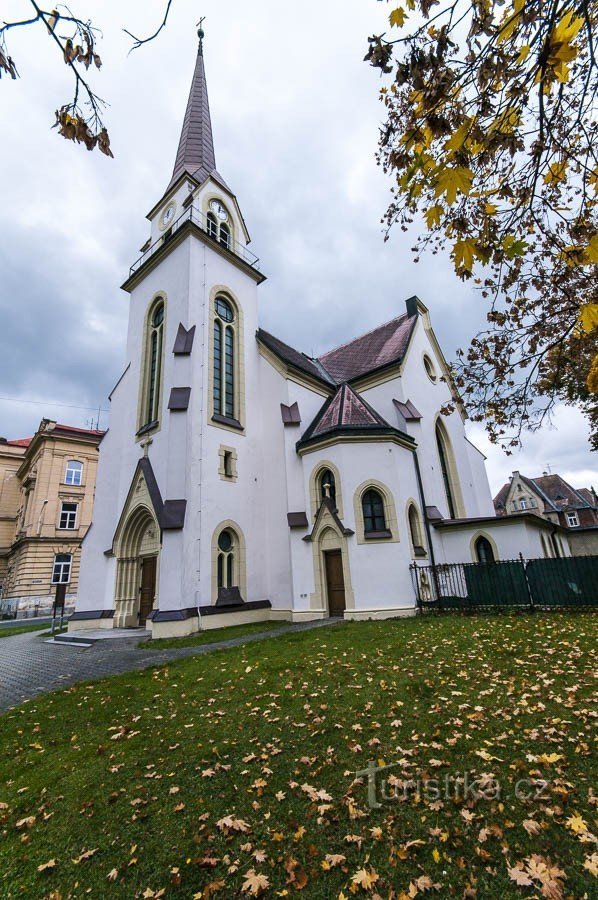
(295, 113)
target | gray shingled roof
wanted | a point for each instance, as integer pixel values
(196, 146)
(383, 346)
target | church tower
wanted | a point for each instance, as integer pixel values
(180, 472)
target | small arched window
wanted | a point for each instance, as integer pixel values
(74, 472)
(327, 483)
(443, 455)
(483, 550)
(225, 238)
(374, 520)
(225, 364)
(227, 559)
(153, 373)
(212, 225)
(415, 531)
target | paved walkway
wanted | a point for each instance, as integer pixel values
(29, 666)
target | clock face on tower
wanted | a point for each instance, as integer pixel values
(219, 210)
(167, 217)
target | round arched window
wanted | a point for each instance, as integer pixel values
(158, 316)
(430, 370)
(224, 310)
(225, 541)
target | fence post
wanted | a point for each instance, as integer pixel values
(529, 590)
(415, 579)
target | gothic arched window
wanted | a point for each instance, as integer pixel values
(327, 485)
(446, 468)
(415, 531)
(227, 560)
(154, 353)
(225, 362)
(374, 519)
(484, 551)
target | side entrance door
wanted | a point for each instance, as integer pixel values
(335, 582)
(147, 591)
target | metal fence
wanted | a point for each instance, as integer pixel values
(568, 582)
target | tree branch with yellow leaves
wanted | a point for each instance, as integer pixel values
(491, 136)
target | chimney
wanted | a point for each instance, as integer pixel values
(411, 304)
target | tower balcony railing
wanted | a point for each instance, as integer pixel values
(200, 220)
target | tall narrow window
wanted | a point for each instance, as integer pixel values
(153, 375)
(415, 530)
(225, 363)
(374, 520)
(327, 485)
(61, 571)
(74, 472)
(225, 238)
(212, 225)
(446, 476)
(484, 551)
(226, 559)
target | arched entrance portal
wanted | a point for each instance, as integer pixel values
(137, 552)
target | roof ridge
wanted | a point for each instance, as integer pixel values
(365, 334)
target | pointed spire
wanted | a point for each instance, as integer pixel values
(196, 146)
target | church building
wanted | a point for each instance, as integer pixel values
(242, 480)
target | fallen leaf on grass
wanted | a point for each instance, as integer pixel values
(87, 854)
(255, 883)
(365, 879)
(47, 866)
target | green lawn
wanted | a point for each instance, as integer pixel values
(234, 772)
(214, 635)
(9, 631)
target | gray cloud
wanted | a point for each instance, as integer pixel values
(296, 117)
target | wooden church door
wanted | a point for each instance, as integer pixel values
(335, 582)
(147, 591)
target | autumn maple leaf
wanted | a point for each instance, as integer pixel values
(255, 883)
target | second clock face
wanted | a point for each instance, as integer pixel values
(217, 208)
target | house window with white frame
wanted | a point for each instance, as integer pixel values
(61, 571)
(68, 516)
(74, 472)
(572, 519)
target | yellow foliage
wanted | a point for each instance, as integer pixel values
(510, 21)
(556, 172)
(458, 138)
(432, 215)
(562, 47)
(397, 17)
(451, 181)
(588, 317)
(592, 250)
(464, 253)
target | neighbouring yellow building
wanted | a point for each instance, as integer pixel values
(47, 486)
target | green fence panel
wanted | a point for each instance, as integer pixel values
(567, 582)
(499, 584)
